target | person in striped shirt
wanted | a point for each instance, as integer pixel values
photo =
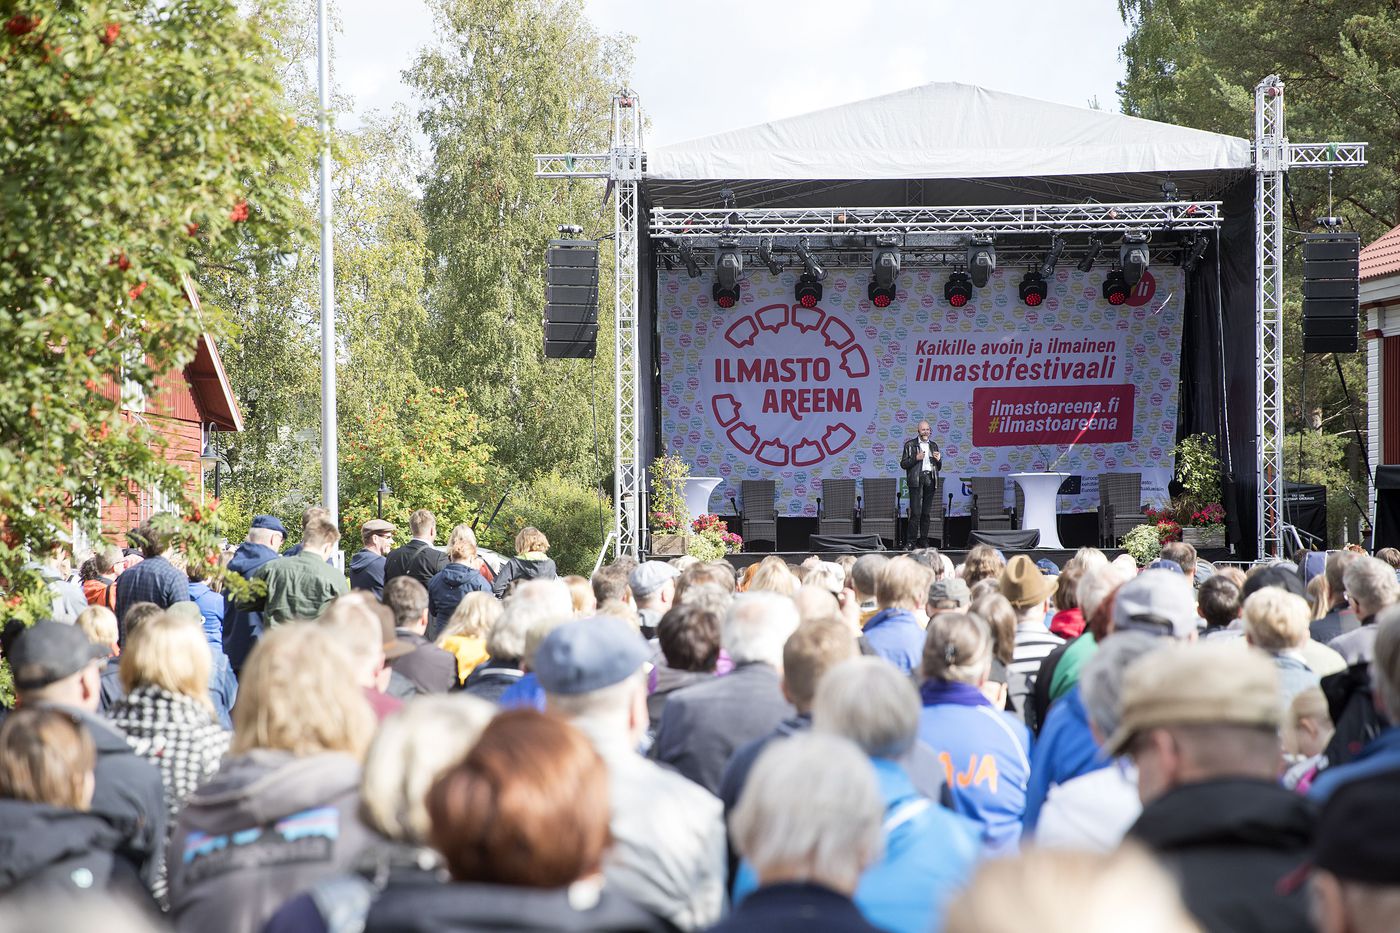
(1029, 591)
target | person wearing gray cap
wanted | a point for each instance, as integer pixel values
(366, 568)
(653, 585)
(55, 666)
(668, 852)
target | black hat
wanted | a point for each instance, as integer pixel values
(49, 652)
(1358, 834)
(1283, 576)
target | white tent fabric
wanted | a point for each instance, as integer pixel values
(948, 130)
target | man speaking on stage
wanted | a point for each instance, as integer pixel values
(920, 462)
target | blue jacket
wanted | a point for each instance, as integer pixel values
(895, 635)
(1380, 754)
(366, 572)
(929, 856)
(525, 693)
(1065, 749)
(212, 608)
(986, 759)
(446, 589)
(243, 627)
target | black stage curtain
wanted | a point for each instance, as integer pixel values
(1387, 530)
(1217, 361)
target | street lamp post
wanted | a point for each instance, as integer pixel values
(384, 490)
(330, 486)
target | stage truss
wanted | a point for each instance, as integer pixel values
(937, 236)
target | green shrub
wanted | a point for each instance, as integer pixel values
(566, 510)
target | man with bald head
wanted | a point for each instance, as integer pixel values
(920, 461)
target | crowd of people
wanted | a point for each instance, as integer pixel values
(434, 741)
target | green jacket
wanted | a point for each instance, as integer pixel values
(299, 587)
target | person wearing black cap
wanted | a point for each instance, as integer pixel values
(242, 624)
(55, 666)
(1354, 873)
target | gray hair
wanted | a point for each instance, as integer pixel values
(868, 701)
(1372, 584)
(757, 627)
(1101, 680)
(811, 808)
(1098, 581)
(410, 750)
(1385, 664)
(533, 603)
(606, 707)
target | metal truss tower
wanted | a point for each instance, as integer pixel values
(621, 166)
(1273, 156)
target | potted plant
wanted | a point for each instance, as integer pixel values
(1198, 509)
(669, 520)
(711, 538)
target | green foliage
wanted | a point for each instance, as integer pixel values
(1315, 457)
(139, 142)
(430, 452)
(1196, 62)
(1198, 469)
(573, 516)
(669, 514)
(508, 79)
(1144, 543)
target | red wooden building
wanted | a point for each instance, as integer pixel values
(187, 405)
(1380, 302)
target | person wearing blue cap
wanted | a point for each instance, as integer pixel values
(243, 624)
(668, 852)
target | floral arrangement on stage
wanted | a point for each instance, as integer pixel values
(1143, 543)
(711, 538)
(1195, 515)
(668, 518)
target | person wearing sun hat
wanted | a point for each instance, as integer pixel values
(1201, 723)
(668, 851)
(1029, 591)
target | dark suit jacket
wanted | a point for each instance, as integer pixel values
(703, 725)
(430, 668)
(415, 559)
(910, 465)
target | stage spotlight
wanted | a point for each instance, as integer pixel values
(1132, 257)
(1052, 257)
(958, 289)
(1091, 253)
(981, 260)
(729, 266)
(811, 268)
(1193, 253)
(1033, 288)
(884, 275)
(765, 256)
(692, 268)
(808, 290)
(1115, 288)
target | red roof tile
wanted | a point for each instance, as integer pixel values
(1382, 257)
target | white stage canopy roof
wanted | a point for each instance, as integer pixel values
(945, 131)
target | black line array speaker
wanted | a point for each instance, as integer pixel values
(571, 299)
(1331, 292)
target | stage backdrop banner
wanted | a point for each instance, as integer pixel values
(772, 390)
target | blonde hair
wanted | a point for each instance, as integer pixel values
(1275, 620)
(1319, 598)
(1070, 892)
(581, 592)
(294, 696)
(773, 576)
(461, 544)
(531, 539)
(411, 750)
(473, 618)
(169, 651)
(903, 583)
(1310, 703)
(46, 756)
(99, 624)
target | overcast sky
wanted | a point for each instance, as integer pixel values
(720, 64)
